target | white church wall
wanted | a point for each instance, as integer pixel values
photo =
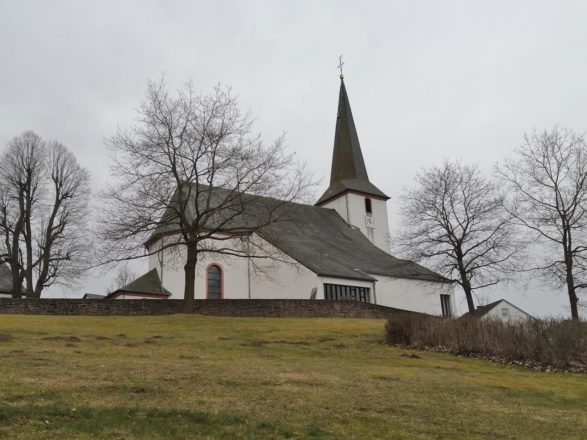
(290, 280)
(504, 311)
(414, 295)
(351, 207)
(234, 273)
(169, 264)
(269, 279)
(284, 281)
(379, 235)
(339, 205)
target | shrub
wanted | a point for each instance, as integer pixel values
(543, 343)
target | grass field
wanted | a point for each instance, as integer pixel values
(184, 377)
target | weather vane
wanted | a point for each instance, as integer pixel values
(340, 64)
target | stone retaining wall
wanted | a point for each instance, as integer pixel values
(293, 308)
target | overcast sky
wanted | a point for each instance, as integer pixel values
(427, 80)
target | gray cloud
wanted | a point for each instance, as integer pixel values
(427, 80)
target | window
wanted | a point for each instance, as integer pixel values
(368, 207)
(505, 313)
(445, 304)
(214, 281)
(338, 291)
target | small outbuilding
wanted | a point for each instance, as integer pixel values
(93, 296)
(501, 310)
(147, 286)
(5, 281)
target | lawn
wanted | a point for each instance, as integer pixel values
(189, 376)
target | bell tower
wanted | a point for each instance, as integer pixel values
(351, 193)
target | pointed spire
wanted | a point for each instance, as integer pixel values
(348, 172)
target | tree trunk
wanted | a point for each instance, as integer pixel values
(190, 278)
(574, 301)
(570, 278)
(15, 263)
(35, 294)
(28, 238)
(572, 292)
(16, 281)
(465, 282)
(27, 204)
(466, 285)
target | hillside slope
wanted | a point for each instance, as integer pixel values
(179, 377)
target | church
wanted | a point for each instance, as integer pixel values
(337, 249)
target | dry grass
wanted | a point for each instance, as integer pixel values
(184, 377)
(547, 344)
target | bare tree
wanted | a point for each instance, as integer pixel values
(20, 170)
(547, 183)
(43, 211)
(123, 277)
(454, 220)
(185, 174)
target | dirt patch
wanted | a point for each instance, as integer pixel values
(326, 339)
(62, 338)
(410, 356)
(255, 343)
(5, 337)
(387, 378)
(284, 341)
(103, 338)
(128, 344)
(69, 344)
(261, 342)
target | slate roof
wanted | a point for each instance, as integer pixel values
(483, 310)
(148, 283)
(236, 212)
(348, 172)
(321, 240)
(5, 278)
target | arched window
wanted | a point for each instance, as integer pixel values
(214, 282)
(368, 208)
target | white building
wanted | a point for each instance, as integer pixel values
(5, 281)
(501, 310)
(338, 248)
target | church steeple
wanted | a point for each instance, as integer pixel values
(348, 172)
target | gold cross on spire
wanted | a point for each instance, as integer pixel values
(340, 64)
